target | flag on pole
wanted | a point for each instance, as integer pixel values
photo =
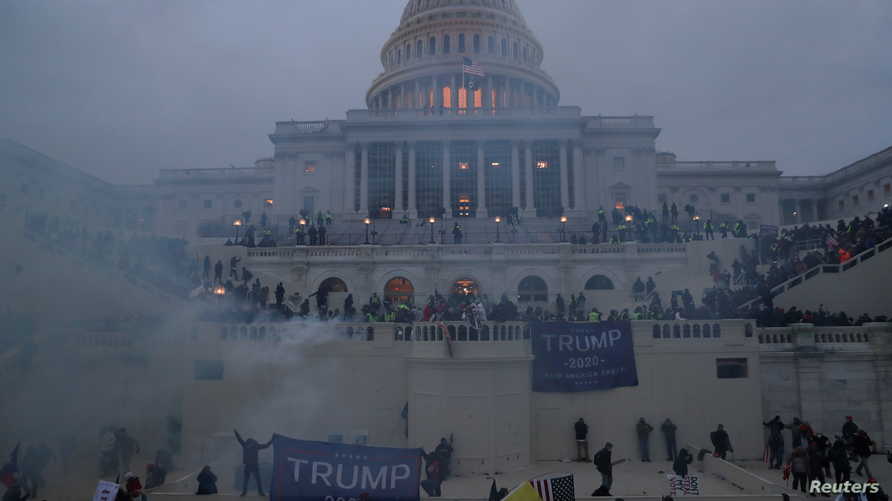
(557, 487)
(469, 67)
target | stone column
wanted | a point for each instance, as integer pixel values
(350, 172)
(415, 103)
(579, 202)
(515, 175)
(453, 94)
(447, 188)
(398, 182)
(531, 206)
(565, 183)
(413, 212)
(481, 182)
(364, 181)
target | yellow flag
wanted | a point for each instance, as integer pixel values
(523, 492)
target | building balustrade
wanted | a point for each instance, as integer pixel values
(808, 337)
(435, 251)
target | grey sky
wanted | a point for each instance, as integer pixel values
(122, 89)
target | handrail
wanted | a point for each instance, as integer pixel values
(823, 268)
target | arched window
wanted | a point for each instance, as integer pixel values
(432, 46)
(408, 52)
(333, 284)
(461, 42)
(466, 287)
(447, 44)
(419, 48)
(399, 290)
(491, 44)
(599, 283)
(504, 47)
(532, 288)
(477, 44)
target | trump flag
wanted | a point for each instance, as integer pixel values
(321, 471)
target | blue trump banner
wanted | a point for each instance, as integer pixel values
(323, 471)
(573, 357)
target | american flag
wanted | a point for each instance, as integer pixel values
(469, 67)
(555, 488)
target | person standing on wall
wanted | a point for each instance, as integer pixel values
(775, 442)
(581, 430)
(668, 428)
(643, 429)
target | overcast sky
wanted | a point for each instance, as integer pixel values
(121, 89)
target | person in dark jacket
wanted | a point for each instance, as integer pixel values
(207, 482)
(434, 470)
(849, 428)
(861, 446)
(796, 432)
(721, 442)
(581, 430)
(815, 463)
(775, 442)
(250, 453)
(682, 460)
(643, 429)
(604, 465)
(668, 428)
(839, 457)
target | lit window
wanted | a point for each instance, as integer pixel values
(464, 166)
(751, 198)
(731, 368)
(268, 202)
(208, 204)
(309, 167)
(726, 198)
(619, 163)
(541, 164)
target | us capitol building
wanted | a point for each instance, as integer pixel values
(439, 141)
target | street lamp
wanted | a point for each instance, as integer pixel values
(563, 228)
(431, 221)
(236, 224)
(367, 222)
(498, 226)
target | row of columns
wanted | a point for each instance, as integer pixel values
(481, 212)
(420, 94)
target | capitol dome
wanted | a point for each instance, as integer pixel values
(425, 57)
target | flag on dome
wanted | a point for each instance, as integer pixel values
(469, 67)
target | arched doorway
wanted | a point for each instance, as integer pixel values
(465, 287)
(599, 283)
(333, 291)
(399, 290)
(532, 288)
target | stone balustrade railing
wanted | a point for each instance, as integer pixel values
(808, 337)
(436, 251)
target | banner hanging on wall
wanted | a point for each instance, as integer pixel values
(573, 357)
(320, 471)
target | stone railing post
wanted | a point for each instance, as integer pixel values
(803, 337)
(880, 335)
